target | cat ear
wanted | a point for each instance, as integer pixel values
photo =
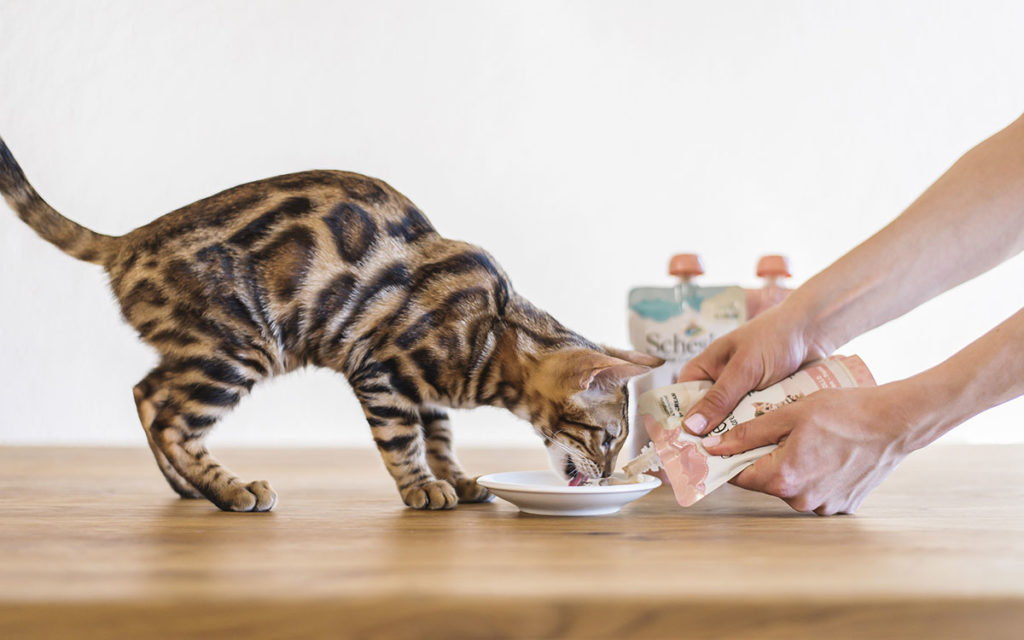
(636, 357)
(615, 375)
(585, 369)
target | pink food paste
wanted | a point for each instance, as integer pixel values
(682, 461)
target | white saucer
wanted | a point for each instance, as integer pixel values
(544, 493)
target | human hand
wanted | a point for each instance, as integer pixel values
(765, 350)
(835, 447)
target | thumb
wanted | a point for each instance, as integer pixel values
(736, 380)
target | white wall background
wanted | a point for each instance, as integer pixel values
(582, 143)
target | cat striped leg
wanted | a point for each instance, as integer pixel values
(396, 429)
(149, 397)
(441, 457)
(186, 400)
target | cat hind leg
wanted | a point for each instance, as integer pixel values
(149, 397)
(184, 404)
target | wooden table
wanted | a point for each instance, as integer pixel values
(94, 545)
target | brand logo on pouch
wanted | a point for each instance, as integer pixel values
(693, 330)
(678, 346)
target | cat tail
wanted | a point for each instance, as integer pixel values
(70, 237)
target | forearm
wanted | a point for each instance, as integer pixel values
(986, 373)
(969, 221)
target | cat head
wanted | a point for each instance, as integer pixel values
(761, 408)
(578, 402)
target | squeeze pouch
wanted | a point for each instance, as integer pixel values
(691, 470)
(677, 323)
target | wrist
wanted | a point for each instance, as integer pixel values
(842, 302)
(921, 408)
(806, 321)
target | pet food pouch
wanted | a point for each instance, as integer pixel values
(691, 470)
(678, 322)
(773, 271)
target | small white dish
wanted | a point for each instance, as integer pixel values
(545, 493)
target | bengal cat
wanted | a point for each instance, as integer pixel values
(338, 270)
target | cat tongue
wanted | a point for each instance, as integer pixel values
(578, 479)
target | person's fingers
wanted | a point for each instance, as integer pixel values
(697, 370)
(758, 476)
(772, 475)
(770, 428)
(708, 364)
(829, 510)
(738, 377)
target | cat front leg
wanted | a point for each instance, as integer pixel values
(441, 457)
(398, 433)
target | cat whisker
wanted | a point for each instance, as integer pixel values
(582, 463)
(561, 445)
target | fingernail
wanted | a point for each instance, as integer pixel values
(696, 423)
(711, 441)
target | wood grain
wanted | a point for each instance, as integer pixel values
(93, 544)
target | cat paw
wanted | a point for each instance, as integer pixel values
(255, 496)
(469, 491)
(433, 494)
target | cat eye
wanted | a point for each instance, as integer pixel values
(583, 424)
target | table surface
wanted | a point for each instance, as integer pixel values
(94, 544)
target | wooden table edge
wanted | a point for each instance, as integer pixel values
(404, 616)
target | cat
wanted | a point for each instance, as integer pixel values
(761, 408)
(339, 270)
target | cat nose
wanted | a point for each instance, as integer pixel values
(609, 464)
